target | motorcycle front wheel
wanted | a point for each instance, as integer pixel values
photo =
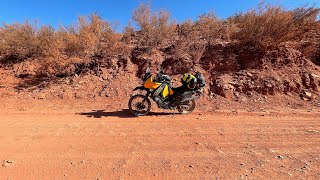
(139, 105)
(187, 107)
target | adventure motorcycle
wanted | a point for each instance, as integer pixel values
(166, 97)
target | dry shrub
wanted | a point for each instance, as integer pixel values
(82, 39)
(52, 67)
(49, 43)
(93, 38)
(89, 43)
(129, 35)
(268, 26)
(187, 49)
(194, 37)
(61, 51)
(154, 28)
(210, 28)
(190, 43)
(18, 42)
(92, 42)
(310, 46)
(111, 45)
(72, 44)
(186, 37)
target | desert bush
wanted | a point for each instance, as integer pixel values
(72, 43)
(128, 35)
(18, 41)
(93, 38)
(111, 45)
(89, 43)
(268, 26)
(190, 43)
(186, 37)
(210, 28)
(82, 39)
(49, 43)
(154, 28)
(92, 42)
(90, 33)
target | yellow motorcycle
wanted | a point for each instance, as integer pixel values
(166, 97)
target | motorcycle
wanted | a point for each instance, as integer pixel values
(166, 97)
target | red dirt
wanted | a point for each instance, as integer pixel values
(73, 128)
(89, 139)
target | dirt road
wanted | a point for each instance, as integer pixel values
(103, 145)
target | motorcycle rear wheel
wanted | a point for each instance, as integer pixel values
(187, 107)
(139, 105)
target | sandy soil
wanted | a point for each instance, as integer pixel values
(104, 143)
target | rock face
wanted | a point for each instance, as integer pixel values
(265, 83)
(284, 70)
(289, 69)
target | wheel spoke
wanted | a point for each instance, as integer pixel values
(139, 105)
(187, 107)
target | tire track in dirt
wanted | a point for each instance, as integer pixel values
(209, 145)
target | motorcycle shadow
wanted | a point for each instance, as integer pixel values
(124, 113)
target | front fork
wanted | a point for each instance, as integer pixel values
(143, 88)
(147, 95)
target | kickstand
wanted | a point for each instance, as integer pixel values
(174, 112)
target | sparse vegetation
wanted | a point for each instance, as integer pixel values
(154, 29)
(268, 26)
(92, 42)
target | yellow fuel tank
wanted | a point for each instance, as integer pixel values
(150, 84)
